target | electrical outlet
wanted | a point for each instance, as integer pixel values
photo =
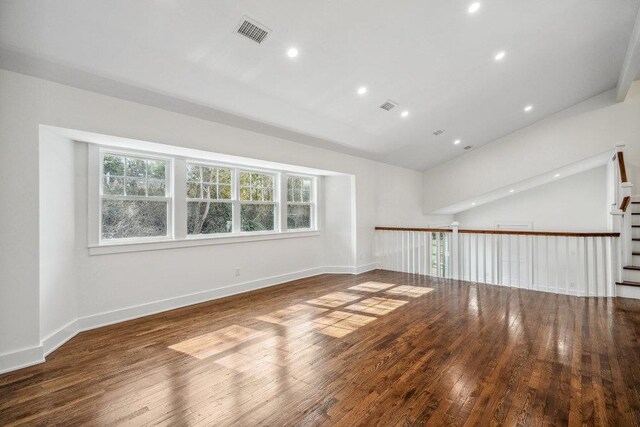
(237, 271)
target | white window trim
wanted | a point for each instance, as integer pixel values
(313, 202)
(168, 198)
(177, 214)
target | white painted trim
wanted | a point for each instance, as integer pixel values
(21, 359)
(59, 337)
(194, 241)
(628, 291)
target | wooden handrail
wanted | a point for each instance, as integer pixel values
(519, 233)
(426, 230)
(625, 203)
(623, 170)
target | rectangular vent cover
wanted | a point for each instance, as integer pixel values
(389, 105)
(252, 30)
(438, 132)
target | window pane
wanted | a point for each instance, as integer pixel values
(113, 165)
(224, 192)
(209, 191)
(256, 194)
(208, 174)
(136, 168)
(113, 186)
(156, 169)
(133, 218)
(224, 176)
(245, 194)
(193, 173)
(298, 189)
(209, 217)
(193, 190)
(136, 187)
(256, 180)
(245, 179)
(257, 217)
(268, 195)
(298, 216)
(156, 187)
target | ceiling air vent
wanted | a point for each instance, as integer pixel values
(468, 147)
(438, 132)
(389, 105)
(252, 30)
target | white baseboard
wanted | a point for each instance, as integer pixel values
(32, 356)
(116, 316)
(59, 337)
(350, 269)
(21, 359)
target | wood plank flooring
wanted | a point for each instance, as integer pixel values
(381, 348)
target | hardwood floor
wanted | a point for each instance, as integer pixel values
(380, 348)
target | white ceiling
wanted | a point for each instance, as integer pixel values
(431, 57)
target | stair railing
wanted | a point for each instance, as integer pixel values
(622, 221)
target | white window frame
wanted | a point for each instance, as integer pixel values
(176, 184)
(233, 200)
(168, 198)
(313, 201)
(277, 202)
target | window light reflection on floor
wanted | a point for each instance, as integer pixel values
(335, 299)
(372, 286)
(377, 305)
(409, 291)
(216, 342)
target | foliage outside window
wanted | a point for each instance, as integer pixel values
(299, 202)
(133, 198)
(209, 200)
(257, 205)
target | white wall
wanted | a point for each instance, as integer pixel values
(58, 296)
(578, 203)
(119, 281)
(580, 132)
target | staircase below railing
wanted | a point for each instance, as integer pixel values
(560, 262)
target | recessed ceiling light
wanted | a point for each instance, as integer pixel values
(457, 141)
(500, 55)
(512, 190)
(556, 175)
(292, 52)
(405, 113)
(528, 108)
(473, 7)
(362, 90)
(473, 204)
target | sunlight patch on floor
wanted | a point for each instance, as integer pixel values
(409, 291)
(377, 305)
(372, 286)
(340, 323)
(216, 342)
(335, 299)
(291, 315)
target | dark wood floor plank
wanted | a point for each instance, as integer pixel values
(315, 352)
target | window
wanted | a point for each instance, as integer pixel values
(134, 200)
(209, 200)
(300, 207)
(257, 206)
(163, 201)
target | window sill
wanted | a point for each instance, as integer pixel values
(116, 248)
